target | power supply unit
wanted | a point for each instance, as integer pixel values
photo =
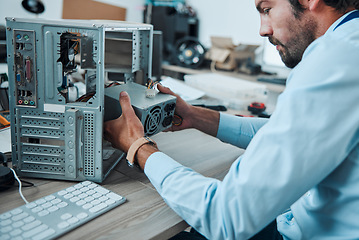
(155, 113)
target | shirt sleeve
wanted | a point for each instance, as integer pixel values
(238, 131)
(305, 139)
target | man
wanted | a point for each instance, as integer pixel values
(300, 167)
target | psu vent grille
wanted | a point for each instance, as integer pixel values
(153, 120)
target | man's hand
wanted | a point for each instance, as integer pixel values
(126, 129)
(202, 119)
(183, 111)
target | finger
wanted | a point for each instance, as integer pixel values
(125, 102)
(164, 89)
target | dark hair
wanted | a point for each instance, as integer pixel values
(339, 5)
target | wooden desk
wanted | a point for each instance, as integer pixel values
(144, 215)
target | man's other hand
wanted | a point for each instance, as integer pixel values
(183, 110)
(126, 129)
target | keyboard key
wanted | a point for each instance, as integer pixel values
(53, 209)
(92, 185)
(103, 198)
(91, 192)
(83, 195)
(87, 206)
(5, 216)
(62, 192)
(68, 196)
(29, 219)
(89, 199)
(5, 222)
(84, 189)
(63, 225)
(35, 230)
(55, 201)
(46, 205)
(76, 192)
(43, 213)
(20, 216)
(16, 211)
(40, 201)
(5, 237)
(98, 207)
(15, 232)
(95, 202)
(80, 203)
(78, 186)
(62, 204)
(44, 234)
(82, 215)
(110, 202)
(5, 229)
(70, 189)
(37, 209)
(50, 197)
(18, 224)
(66, 216)
(85, 183)
(74, 199)
(97, 195)
(73, 220)
(114, 196)
(31, 205)
(31, 225)
(101, 190)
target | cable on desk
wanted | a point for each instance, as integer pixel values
(18, 180)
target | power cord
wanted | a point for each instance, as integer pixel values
(20, 186)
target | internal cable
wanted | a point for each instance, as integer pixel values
(16, 177)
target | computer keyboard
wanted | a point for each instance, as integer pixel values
(53, 215)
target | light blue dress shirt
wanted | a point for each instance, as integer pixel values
(301, 166)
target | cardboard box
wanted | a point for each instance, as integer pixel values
(88, 9)
(227, 55)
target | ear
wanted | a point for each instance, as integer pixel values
(315, 4)
(311, 5)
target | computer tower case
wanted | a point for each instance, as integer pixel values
(56, 132)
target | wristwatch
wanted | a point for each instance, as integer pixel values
(134, 148)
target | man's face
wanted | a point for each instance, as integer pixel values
(290, 33)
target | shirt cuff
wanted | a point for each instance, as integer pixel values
(226, 128)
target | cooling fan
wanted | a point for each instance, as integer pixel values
(153, 121)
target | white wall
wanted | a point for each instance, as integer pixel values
(231, 18)
(53, 9)
(13, 8)
(238, 19)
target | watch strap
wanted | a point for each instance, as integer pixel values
(134, 148)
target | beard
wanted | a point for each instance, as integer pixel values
(302, 35)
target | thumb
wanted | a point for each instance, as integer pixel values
(125, 102)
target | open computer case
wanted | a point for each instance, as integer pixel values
(55, 133)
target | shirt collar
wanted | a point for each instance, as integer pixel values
(337, 22)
